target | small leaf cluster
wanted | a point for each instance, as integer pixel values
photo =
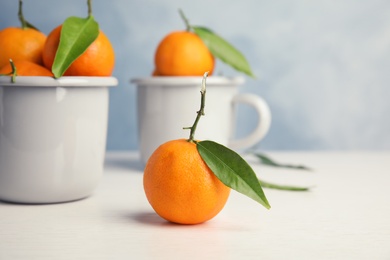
(232, 170)
(220, 48)
(228, 166)
(77, 34)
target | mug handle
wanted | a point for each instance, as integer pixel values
(264, 115)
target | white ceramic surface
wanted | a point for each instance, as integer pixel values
(167, 104)
(52, 137)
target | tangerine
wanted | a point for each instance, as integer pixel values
(179, 185)
(26, 68)
(97, 60)
(183, 53)
(21, 44)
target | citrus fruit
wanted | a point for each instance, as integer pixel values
(21, 44)
(97, 60)
(26, 68)
(155, 73)
(183, 53)
(180, 187)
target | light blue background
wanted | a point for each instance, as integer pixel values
(323, 66)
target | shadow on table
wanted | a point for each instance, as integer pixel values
(152, 219)
(148, 218)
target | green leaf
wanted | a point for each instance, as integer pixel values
(268, 161)
(232, 170)
(223, 50)
(282, 187)
(77, 35)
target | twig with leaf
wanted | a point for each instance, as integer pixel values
(266, 160)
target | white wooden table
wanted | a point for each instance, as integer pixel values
(345, 216)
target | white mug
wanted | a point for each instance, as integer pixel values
(167, 104)
(52, 137)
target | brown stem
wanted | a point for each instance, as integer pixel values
(201, 110)
(13, 72)
(188, 26)
(21, 16)
(89, 2)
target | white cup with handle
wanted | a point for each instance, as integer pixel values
(167, 104)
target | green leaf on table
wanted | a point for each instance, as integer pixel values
(270, 185)
(266, 160)
(232, 170)
(77, 34)
(223, 50)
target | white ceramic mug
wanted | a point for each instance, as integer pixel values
(52, 137)
(167, 104)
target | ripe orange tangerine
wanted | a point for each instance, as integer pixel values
(97, 60)
(26, 68)
(21, 44)
(179, 185)
(183, 53)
